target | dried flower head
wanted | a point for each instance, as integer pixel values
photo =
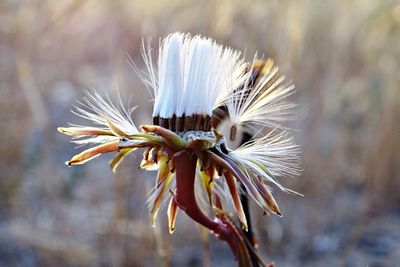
(197, 84)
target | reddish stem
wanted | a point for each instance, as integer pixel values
(185, 167)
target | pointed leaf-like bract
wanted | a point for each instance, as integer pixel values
(114, 163)
(93, 152)
(80, 131)
(164, 179)
(236, 200)
(172, 213)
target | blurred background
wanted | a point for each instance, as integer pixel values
(343, 56)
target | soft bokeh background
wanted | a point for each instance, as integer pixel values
(344, 58)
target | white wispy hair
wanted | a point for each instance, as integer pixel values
(191, 74)
(154, 193)
(274, 154)
(264, 103)
(98, 110)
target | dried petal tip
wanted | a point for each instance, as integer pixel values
(172, 212)
(277, 211)
(61, 130)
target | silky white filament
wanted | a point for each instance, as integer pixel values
(275, 152)
(264, 103)
(97, 110)
(192, 74)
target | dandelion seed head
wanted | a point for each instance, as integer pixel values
(191, 75)
(197, 86)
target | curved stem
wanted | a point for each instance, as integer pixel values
(185, 166)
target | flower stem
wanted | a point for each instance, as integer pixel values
(245, 204)
(185, 166)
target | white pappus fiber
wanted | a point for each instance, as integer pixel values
(97, 110)
(192, 74)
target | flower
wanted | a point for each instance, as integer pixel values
(196, 84)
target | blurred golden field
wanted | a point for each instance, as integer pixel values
(344, 58)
